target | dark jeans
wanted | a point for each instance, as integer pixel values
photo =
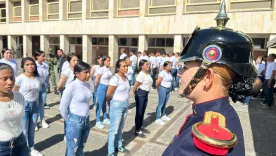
(17, 147)
(268, 92)
(141, 99)
(153, 76)
(174, 76)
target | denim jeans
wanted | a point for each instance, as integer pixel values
(163, 97)
(101, 93)
(133, 76)
(118, 114)
(19, 148)
(95, 92)
(153, 76)
(77, 131)
(141, 99)
(174, 75)
(268, 92)
(177, 79)
(247, 100)
(29, 121)
(42, 101)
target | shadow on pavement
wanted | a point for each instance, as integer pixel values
(53, 119)
(49, 142)
(54, 104)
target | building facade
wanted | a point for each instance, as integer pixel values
(100, 27)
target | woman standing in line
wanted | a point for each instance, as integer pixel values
(7, 58)
(119, 87)
(43, 70)
(163, 84)
(143, 83)
(29, 84)
(130, 71)
(12, 140)
(74, 108)
(103, 76)
(93, 73)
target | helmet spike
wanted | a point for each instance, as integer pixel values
(222, 17)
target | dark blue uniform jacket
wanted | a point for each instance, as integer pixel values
(182, 144)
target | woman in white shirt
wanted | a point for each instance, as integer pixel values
(74, 108)
(103, 76)
(130, 71)
(43, 70)
(7, 58)
(141, 90)
(163, 83)
(118, 87)
(93, 73)
(12, 140)
(29, 84)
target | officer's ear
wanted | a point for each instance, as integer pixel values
(208, 79)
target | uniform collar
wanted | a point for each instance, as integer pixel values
(216, 105)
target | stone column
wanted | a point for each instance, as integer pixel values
(64, 43)
(25, 10)
(27, 46)
(12, 43)
(178, 43)
(113, 49)
(62, 9)
(143, 43)
(42, 10)
(85, 9)
(87, 49)
(9, 11)
(112, 10)
(44, 43)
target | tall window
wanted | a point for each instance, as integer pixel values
(74, 9)
(99, 8)
(161, 7)
(250, 4)
(2, 13)
(34, 10)
(196, 6)
(54, 43)
(161, 42)
(128, 7)
(17, 12)
(53, 9)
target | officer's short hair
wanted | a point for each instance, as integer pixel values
(60, 50)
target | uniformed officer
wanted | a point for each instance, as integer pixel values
(52, 61)
(217, 66)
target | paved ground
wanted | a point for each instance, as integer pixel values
(259, 129)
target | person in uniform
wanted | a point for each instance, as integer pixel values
(52, 61)
(218, 65)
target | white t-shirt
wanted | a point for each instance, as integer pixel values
(153, 62)
(43, 70)
(129, 73)
(12, 63)
(96, 68)
(139, 59)
(174, 62)
(70, 76)
(11, 114)
(145, 58)
(145, 80)
(133, 60)
(271, 66)
(29, 88)
(122, 91)
(106, 75)
(260, 68)
(158, 60)
(166, 79)
(65, 66)
(123, 55)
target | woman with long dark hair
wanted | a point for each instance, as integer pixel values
(43, 70)
(74, 108)
(141, 90)
(7, 58)
(119, 87)
(12, 140)
(29, 84)
(103, 76)
(93, 73)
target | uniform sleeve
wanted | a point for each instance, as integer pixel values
(274, 66)
(140, 78)
(66, 73)
(66, 100)
(18, 81)
(114, 81)
(100, 71)
(162, 74)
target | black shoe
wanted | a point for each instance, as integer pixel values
(56, 91)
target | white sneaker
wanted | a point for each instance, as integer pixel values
(106, 122)
(44, 124)
(165, 118)
(36, 128)
(159, 122)
(35, 153)
(99, 125)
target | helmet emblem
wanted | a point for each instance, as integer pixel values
(212, 53)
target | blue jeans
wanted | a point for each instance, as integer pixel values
(247, 100)
(29, 121)
(95, 92)
(153, 76)
(77, 131)
(118, 114)
(174, 75)
(163, 97)
(42, 101)
(133, 76)
(19, 147)
(141, 100)
(101, 93)
(177, 79)
(268, 92)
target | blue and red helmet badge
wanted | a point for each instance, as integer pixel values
(212, 53)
